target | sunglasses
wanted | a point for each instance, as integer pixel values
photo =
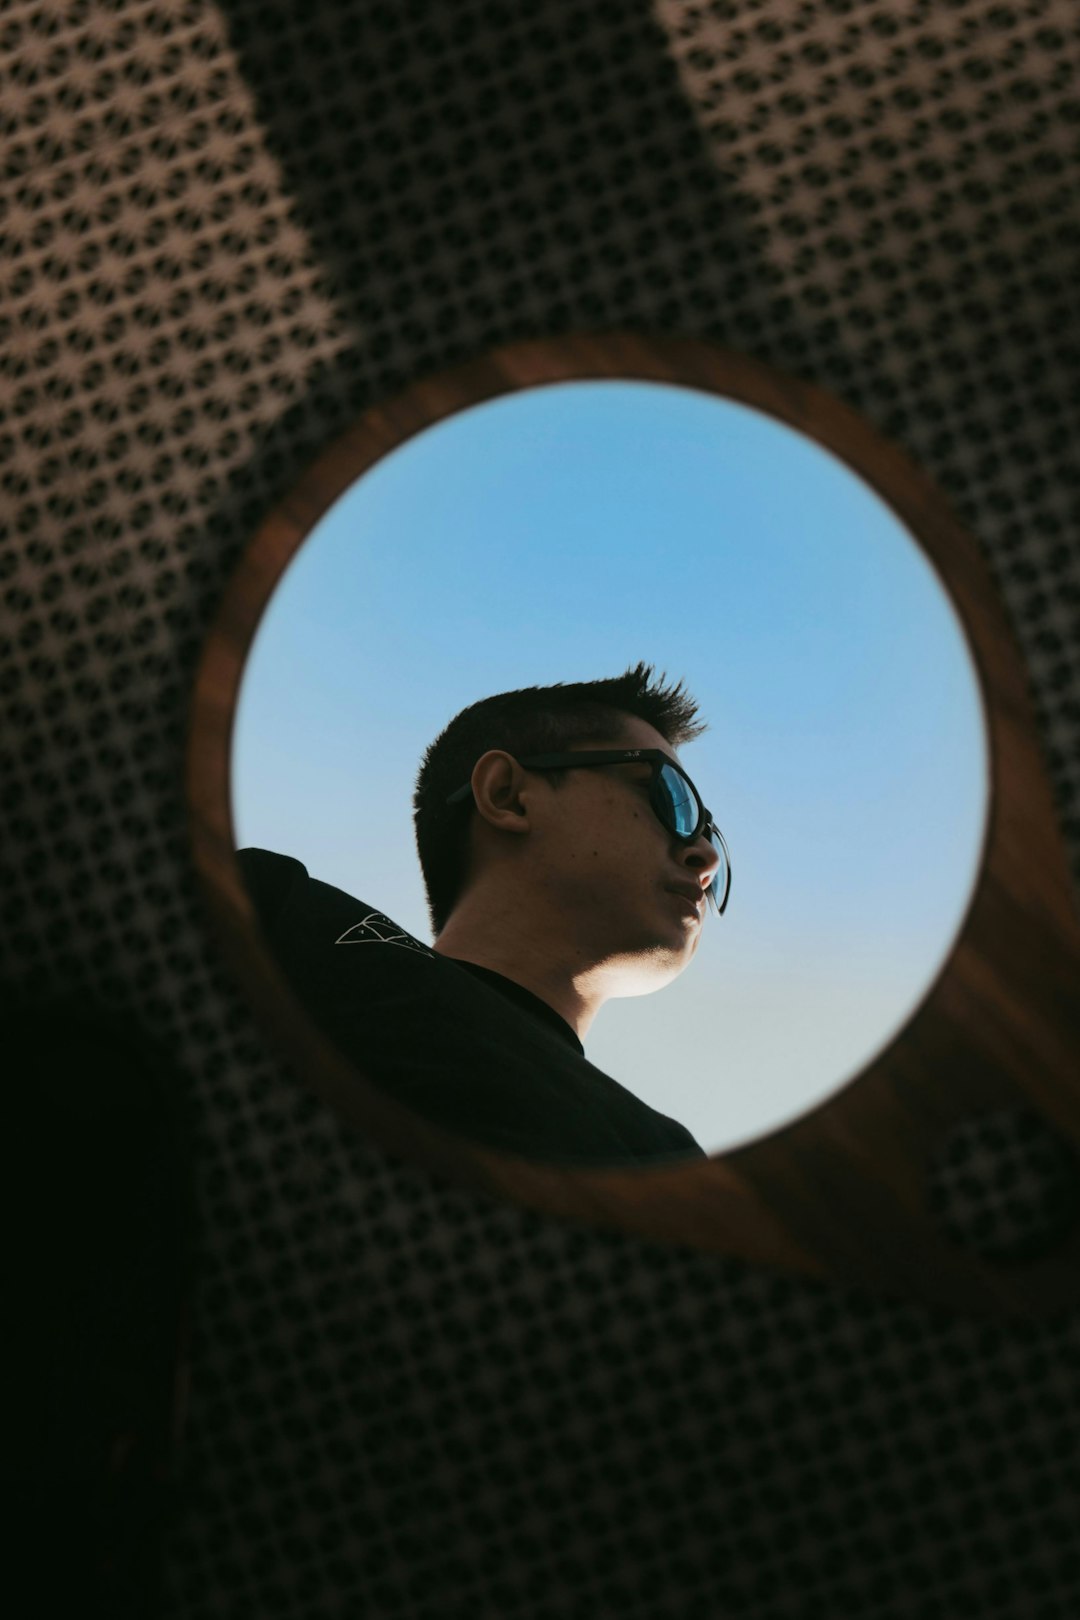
(675, 800)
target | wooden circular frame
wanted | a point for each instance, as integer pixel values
(841, 1194)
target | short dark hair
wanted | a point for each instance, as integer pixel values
(532, 720)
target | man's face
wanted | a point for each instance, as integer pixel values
(613, 867)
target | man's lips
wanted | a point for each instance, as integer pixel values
(692, 897)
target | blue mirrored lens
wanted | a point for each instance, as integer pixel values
(681, 807)
(718, 888)
(682, 812)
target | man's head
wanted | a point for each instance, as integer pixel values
(582, 845)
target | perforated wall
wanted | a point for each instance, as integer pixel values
(226, 229)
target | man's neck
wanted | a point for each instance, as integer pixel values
(550, 972)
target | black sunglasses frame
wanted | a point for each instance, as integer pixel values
(635, 756)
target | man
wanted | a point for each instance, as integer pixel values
(567, 860)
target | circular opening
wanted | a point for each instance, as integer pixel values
(564, 533)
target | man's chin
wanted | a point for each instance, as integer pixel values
(658, 965)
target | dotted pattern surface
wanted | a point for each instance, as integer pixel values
(224, 230)
(1006, 1185)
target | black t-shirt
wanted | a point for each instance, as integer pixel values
(460, 1044)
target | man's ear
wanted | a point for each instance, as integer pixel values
(499, 785)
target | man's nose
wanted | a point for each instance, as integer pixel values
(702, 855)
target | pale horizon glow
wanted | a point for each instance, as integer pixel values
(563, 533)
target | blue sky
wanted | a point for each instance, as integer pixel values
(563, 533)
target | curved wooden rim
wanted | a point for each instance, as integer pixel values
(841, 1193)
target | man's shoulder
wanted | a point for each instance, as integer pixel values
(376, 928)
(442, 1039)
(291, 905)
